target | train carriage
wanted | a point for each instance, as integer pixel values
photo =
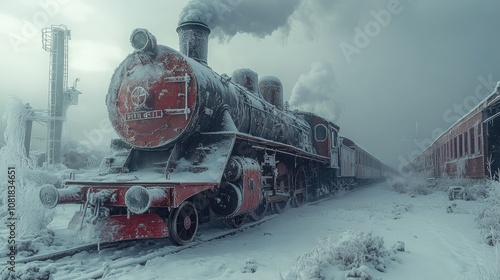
(468, 148)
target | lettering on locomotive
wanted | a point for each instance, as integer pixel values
(144, 115)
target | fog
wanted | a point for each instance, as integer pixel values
(389, 64)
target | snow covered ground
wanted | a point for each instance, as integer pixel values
(438, 243)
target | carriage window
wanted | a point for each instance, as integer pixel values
(455, 152)
(448, 150)
(320, 133)
(472, 142)
(466, 143)
(479, 145)
(460, 145)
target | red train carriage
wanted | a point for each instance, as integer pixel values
(469, 148)
(197, 145)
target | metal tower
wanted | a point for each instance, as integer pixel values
(55, 40)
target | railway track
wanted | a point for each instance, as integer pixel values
(126, 261)
(69, 252)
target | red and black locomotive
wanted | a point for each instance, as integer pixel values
(196, 144)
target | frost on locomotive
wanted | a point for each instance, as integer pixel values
(196, 145)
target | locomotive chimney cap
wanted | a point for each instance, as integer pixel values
(191, 24)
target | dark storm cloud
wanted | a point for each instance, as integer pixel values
(229, 17)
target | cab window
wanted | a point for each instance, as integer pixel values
(320, 133)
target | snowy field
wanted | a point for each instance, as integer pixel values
(312, 242)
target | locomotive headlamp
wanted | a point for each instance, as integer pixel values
(49, 196)
(142, 40)
(139, 199)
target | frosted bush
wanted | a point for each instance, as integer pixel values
(420, 184)
(488, 218)
(29, 244)
(31, 215)
(350, 252)
(414, 185)
(398, 185)
(359, 273)
(250, 266)
(419, 188)
(478, 191)
(473, 189)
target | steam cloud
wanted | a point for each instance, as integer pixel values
(316, 92)
(226, 18)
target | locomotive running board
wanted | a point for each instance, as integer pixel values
(204, 160)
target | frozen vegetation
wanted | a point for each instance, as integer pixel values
(32, 219)
(486, 191)
(356, 253)
(487, 215)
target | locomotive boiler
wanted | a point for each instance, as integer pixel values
(196, 145)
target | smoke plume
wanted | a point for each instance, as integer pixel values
(226, 18)
(316, 92)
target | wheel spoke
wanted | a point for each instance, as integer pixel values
(189, 212)
(182, 232)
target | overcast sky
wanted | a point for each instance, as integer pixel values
(376, 67)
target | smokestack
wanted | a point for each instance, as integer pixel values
(193, 40)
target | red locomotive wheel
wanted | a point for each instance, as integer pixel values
(300, 191)
(183, 223)
(237, 221)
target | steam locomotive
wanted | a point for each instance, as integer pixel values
(196, 145)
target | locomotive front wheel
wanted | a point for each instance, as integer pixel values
(300, 191)
(236, 221)
(183, 223)
(259, 212)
